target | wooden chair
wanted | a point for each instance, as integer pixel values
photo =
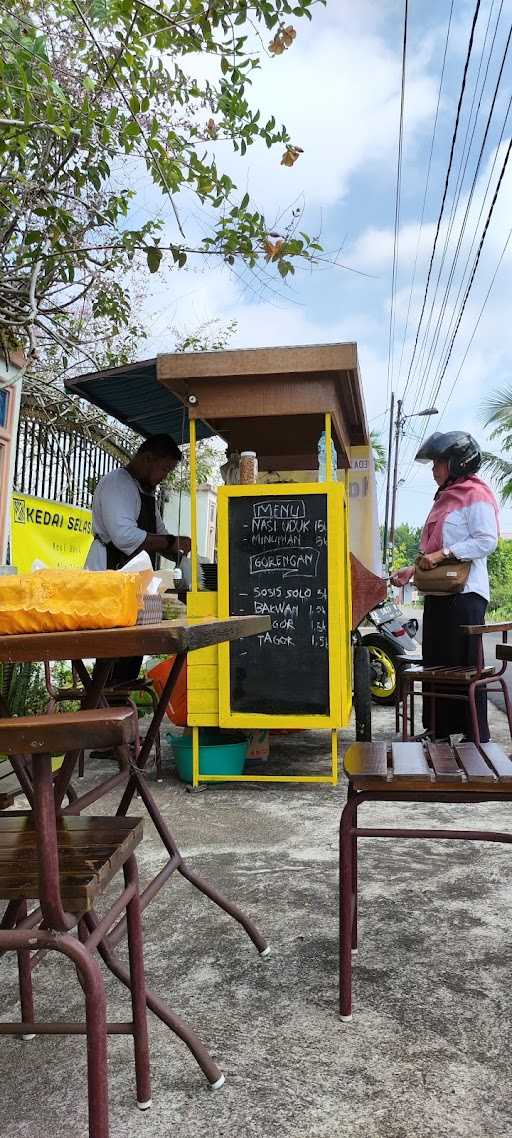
(114, 697)
(410, 772)
(66, 863)
(453, 683)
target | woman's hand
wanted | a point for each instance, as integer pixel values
(430, 560)
(402, 576)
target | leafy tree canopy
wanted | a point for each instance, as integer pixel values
(406, 545)
(88, 85)
(498, 411)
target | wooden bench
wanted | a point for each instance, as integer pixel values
(410, 772)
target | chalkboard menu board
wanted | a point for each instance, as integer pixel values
(278, 568)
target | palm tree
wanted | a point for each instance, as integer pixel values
(379, 453)
(498, 411)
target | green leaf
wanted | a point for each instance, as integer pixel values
(244, 202)
(132, 130)
(154, 257)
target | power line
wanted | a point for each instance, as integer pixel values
(398, 192)
(477, 323)
(475, 266)
(437, 330)
(472, 246)
(427, 181)
(447, 178)
(454, 206)
(475, 329)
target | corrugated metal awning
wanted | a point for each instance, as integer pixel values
(132, 395)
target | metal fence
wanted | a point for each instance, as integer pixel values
(59, 464)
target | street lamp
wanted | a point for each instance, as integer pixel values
(428, 412)
(399, 424)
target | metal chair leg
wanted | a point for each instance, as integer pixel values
(91, 981)
(164, 1013)
(96, 1021)
(157, 743)
(475, 727)
(346, 903)
(138, 988)
(508, 704)
(25, 978)
(354, 887)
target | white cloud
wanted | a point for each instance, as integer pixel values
(338, 91)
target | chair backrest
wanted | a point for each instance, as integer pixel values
(68, 731)
(483, 629)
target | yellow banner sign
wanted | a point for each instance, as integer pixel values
(58, 535)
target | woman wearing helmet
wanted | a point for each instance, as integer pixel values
(463, 523)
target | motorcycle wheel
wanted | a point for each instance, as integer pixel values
(383, 677)
(362, 696)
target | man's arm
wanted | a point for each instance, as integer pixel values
(165, 544)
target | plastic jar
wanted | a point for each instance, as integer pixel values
(248, 466)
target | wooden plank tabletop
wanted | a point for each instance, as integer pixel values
(166, 638)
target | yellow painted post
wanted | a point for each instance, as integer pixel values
(329, 473)
(332, 476)
(193, 501)
(334, 755)
(195, 756)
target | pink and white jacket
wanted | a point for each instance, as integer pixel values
(465, 520)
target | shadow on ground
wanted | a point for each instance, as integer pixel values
(428, 1052)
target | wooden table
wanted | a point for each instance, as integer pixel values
(410, 772)
(171, 638)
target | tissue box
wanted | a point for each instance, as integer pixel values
(152, 612)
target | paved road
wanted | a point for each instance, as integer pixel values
(490, 642)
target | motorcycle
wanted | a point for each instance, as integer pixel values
(391, 645)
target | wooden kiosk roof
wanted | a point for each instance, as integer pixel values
(271, 400)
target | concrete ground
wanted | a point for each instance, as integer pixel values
(429, 1050)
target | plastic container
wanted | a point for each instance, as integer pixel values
(176, 709)
(248, 466)
(69, 600)
(220, 752)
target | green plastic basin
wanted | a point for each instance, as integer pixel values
(220, 752)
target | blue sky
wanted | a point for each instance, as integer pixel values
(338, 90)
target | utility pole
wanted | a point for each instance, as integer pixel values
(399, 424)
(398, 431)
(388, 480)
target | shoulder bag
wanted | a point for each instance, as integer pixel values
(449, 576)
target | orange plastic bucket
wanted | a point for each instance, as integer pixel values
(176, 709)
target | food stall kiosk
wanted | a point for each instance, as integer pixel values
(282, 545)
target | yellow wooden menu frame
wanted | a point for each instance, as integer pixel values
(336, 586)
